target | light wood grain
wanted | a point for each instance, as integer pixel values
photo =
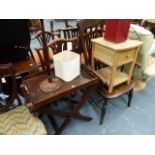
(126, 56)
(115, 55)
(104, 54)
(128, 44)
(105, 75)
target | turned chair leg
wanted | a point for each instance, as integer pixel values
(130, 97)
(103, 111)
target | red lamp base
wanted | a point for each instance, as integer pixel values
(48, 87)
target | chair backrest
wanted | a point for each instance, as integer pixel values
(89, 29)
(54, 47)
(49, 36)
(71, 35)
(58, 45)
(7, 71)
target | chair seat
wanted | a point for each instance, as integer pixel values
(20, 121)
(117, 91)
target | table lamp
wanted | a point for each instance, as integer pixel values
(50, 84)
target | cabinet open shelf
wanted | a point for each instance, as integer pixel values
(105, 75)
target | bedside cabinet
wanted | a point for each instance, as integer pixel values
(114, 55)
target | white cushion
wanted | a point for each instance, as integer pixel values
(140, 30)
(140, 33)
(152, 49)
(150, 70)
(148, 48)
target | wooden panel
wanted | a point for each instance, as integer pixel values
(126, 57)
(39, 98)
(24, 66)
(104, 54)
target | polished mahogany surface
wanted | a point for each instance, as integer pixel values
(38, 98)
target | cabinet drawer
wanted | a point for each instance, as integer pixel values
(104, 54)
(126, 57)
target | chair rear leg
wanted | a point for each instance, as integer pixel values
(103, 110)
(130, 97)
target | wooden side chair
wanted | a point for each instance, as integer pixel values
(68, 32)
(55, 42)
(18, 120)
(90, 29)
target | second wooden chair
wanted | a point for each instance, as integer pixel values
(90, 29)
